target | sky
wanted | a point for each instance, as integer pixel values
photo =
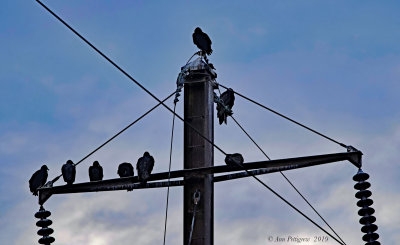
(332, 65)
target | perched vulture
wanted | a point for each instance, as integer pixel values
(202, 41)
(144, 167)
(235, 159)
(125, 170)
(228, 99)
(68, 172)
(38, 179)
(95, 172)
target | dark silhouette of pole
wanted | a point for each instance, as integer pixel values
(198, 111)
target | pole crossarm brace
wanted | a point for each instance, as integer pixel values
(257, 168)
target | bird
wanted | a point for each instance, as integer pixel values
(95, 172)
(227, 99)
(68, 171)
(144, 167)
(202, 41)
(235, 159)
(125, 169)
(38, 179)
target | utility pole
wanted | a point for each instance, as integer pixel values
(197, 177)
(198, 153)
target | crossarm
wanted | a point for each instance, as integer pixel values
(261, 167)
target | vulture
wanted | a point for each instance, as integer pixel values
(234, 159)
(228, 99)
(95, 172)
(38, 179)
(125, 170)
(68, 171)
(202, 41)
(144, 167)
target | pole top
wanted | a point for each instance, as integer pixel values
(197, 68)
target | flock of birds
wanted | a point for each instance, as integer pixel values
(144, 166)
(145, 163)
(227, 98)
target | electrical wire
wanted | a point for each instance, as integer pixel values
(288, 203)
(287, 118)
(117, 134)
(162, 103)
(127, 75)
(169, 174)
(287, 179)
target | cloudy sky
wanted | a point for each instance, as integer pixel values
(333, 65)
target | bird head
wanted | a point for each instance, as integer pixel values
(69, 162)
(146, 154)
(96, 163)
(198, 30)
(44, 167)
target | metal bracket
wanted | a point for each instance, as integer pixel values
(356, 160)
(196, 197)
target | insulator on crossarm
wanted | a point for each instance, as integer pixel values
(367, 219)
(44, 222)
(365, 202)
(366, 211)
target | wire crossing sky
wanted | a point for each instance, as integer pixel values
(332, 65)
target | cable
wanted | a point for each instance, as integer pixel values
(120, 132)
(169, 174)
(287, 118)
(161, 102)
(126, 74)
(312, 207)
(288, 203)
(287, 179)
(265, 154)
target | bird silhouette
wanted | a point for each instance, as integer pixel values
(38, 179)
(95, 172)
(202, 41)
(144, 167)
(224, 110)
(68, 171)
(235, 159)
(125, 170)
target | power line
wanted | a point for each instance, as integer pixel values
(288, 203)
(287, 179)
(169, 174)
(117, 134)
(287, 118)
(162, 102)
(127, 75)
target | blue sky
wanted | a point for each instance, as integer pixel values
(333, 65)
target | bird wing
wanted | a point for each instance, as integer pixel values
(101, 172)
(73, 172)
(208, 43)
(64, 169)
(44, 177)
(34, 181)
(139, 164)
(151, 164)
(231, 99)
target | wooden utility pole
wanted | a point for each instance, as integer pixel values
(198, 173)
(198, 153)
